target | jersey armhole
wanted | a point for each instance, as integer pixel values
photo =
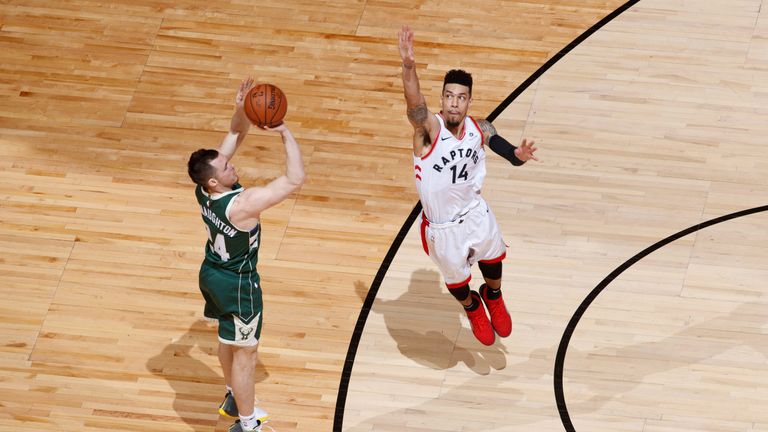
(226, 213)
(434, 141)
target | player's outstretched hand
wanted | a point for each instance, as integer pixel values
(526, 150)
(245, 85)
(405, 44)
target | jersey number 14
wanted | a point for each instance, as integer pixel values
(463, 174)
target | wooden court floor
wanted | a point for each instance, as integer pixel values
(652, 125)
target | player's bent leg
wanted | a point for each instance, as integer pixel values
(460, 292)
(241, 338)
(251, 418)
(243, 370)
(491, 271)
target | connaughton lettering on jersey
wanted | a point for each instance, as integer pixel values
(211, 216)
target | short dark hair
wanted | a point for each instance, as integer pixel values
(458, 76)
(199, 166)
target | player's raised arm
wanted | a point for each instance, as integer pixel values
(424, 123)
(255, 200)
(239, 125)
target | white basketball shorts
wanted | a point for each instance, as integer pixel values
(455, 246)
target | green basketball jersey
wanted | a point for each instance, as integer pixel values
(228, 247)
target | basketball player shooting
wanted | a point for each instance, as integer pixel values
(458, 228)
(229, 280)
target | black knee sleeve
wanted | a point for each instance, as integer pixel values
(490, 271)
(461, 293)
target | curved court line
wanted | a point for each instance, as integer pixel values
(346, 373)
(561, 350)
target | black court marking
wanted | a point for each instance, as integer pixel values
(346, 373)
(561, 350)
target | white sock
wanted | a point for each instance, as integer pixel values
(249, 422)
(229, 389)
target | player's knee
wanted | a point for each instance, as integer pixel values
(245, 356)
(490, 270)
(461, 293)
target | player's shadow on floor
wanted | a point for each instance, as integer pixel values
(426, 324)
(595, 370)
(197, 387)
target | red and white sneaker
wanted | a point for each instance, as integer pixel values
(500, 318)
(481, 327)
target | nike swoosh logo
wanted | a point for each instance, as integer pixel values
(444, 138)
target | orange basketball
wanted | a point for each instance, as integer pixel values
(265, 105)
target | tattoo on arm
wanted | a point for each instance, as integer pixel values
(487, 129)
(418, 115)
(420, 134)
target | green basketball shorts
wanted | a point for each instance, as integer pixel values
(234, 299)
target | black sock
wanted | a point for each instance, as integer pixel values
(491, 293)
(472, 306)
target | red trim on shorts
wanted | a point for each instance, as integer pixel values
(417, 167)
(495, 260)
(423, 230)
(460, 284)
(418, 176)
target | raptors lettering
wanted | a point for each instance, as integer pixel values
(460, 153)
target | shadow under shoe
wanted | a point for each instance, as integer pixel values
(478, 320)
(502, 322)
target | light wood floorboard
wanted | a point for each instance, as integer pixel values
(651, 126)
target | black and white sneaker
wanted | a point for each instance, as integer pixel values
(228, 407)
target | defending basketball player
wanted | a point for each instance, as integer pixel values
(229, 280)
(458, 228)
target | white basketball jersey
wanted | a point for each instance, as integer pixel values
(449, 177)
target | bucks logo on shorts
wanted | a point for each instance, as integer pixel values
(246, 332)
